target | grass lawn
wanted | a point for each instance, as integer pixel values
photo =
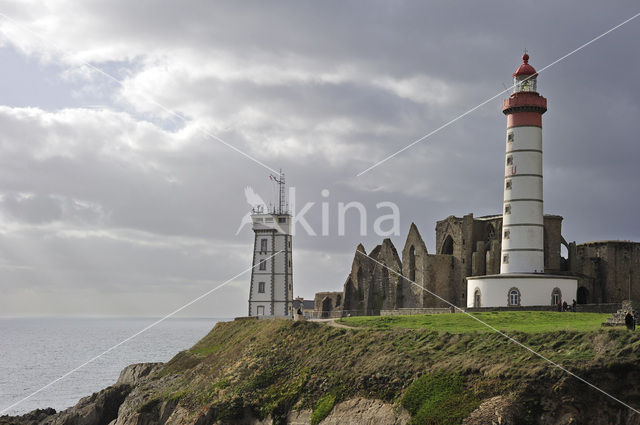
(521, 321)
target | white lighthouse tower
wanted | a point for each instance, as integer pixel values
(271, 291)
(522, 281)
(522, 215)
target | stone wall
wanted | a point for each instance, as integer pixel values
(414, 256)
(611, 265)
(326, 303)
(409, 311)
(552, 243)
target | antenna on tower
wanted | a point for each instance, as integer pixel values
(282, 208)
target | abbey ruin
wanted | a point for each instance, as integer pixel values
(471, 246)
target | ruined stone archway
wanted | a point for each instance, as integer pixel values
(491, 232)
(326, 307)
(447, 246)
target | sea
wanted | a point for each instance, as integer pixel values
(35, 352)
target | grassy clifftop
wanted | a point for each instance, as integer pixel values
(519, 321)
(439, 372)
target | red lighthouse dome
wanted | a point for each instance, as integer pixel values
(525, 68)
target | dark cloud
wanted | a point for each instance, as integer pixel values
(121, 206)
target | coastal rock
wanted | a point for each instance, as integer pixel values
(132, 374)
(499, 410)
(361, 411)
(32, 418)
(98, 409)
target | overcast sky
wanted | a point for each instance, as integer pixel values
(112, 205)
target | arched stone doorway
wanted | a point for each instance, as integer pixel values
(583, 295)
(477, 298)
(556, 296)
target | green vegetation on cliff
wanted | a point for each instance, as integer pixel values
(439, 368)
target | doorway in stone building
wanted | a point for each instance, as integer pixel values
(583, 295)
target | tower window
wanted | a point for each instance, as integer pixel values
(263, 265)
(263, 245)
(507, 234)
(261, 287)
(508, 185)
(510, 137)
(509, 160)
(282, 219)
(507, 209)
(505, 259)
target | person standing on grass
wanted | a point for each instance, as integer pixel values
(559, 305)
(573, 305)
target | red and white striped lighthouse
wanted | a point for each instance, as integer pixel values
(523, 225)
(522, 281)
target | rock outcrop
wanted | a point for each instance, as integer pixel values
(100, 408)
(360, 411)
(132, 374)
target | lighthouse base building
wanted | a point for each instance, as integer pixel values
(520, 290)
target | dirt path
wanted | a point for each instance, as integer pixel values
(334, 323)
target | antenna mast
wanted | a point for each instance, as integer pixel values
(282, 208)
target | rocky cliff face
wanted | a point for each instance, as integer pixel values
(281, 372)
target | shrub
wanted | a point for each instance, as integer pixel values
(438, 399)
(322, 409)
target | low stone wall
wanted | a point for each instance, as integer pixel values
(598, 308)
(580, 308)
(515, 308)
(410, 311)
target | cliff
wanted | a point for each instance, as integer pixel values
(285, 372)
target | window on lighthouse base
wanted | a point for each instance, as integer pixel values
(514, 297)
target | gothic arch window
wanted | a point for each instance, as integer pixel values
(326, 307)
(556, 296)
(412, 263)
(447, 246)
(360, 284)
(513, 297)
(491, 232)
(477, 298)
(349, 295)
